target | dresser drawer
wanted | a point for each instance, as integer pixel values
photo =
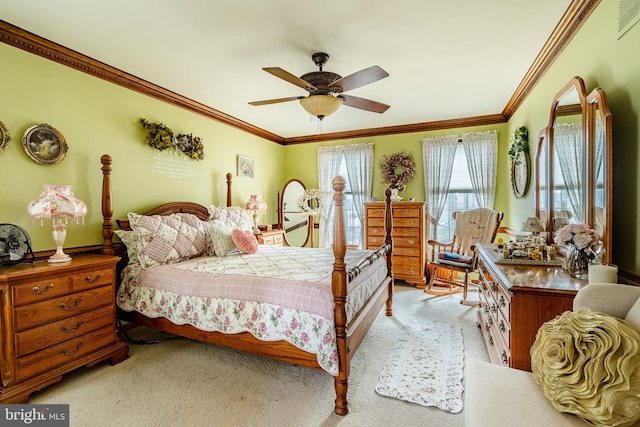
(407, 251)
(374, 242)
(407, 266)
(375, 212)
(93, 279)
(375, 221)
(59, 308)
(63, 353)
(407, 222)
(406, 232)
(45, 289)
(41, 290)
(405, 212)
(54, 333)
(375, 231)
(403, 242)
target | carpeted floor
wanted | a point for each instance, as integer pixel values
(187, 383)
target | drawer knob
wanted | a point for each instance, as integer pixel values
(37, 290)
(71, 307)
(90, 280)
(69, 353)
(412, 242)
(65, 329)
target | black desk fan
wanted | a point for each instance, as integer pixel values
(15, 245)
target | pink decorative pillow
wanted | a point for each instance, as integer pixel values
(245, 241)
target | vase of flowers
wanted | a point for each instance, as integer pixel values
(580, 240)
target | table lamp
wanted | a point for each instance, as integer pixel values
(256, 205)
(532, 225)
(57, 203)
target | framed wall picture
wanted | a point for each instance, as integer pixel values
(4, 137)
(245, 166)
(44, 144)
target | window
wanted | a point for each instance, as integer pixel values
(353, 224)
(459, 198)
(354, 163)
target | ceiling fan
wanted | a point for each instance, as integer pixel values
(326, 89)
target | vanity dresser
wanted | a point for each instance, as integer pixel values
(409, 258)
(515, 300)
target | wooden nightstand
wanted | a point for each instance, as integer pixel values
(273, 237)
(56, 318)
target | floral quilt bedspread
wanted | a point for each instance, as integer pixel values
(278, 293)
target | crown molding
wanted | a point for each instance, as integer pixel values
(572, 20)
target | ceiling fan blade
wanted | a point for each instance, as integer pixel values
(285, 75)
(358, 79)
(364, 104)
(275, 101)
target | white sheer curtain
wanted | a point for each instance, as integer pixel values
(568, 145)
(437, 155)
(481, 151)
(359, 162)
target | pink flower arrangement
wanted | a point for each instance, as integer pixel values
(397, 170)
(579, 236)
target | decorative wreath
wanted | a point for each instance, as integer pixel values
(397, 170)
(161, 137)
(308, 200)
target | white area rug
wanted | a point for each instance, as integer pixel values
(426, 365)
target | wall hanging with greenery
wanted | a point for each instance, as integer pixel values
(519, 143)
(161, 137)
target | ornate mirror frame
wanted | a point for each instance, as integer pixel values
(600, 178)
(292, 219)
(595, 178)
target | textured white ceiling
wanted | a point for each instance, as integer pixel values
(446, 59)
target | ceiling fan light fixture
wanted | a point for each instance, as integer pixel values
(321, 105)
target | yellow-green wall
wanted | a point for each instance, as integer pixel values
(97, 117)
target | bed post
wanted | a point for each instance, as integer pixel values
(339, 288)
(388, 227)
(107, 207)
(229, 189)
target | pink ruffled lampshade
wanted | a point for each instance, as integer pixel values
(57, 202)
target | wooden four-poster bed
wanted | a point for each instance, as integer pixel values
(357, 287)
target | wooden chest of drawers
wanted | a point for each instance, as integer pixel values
(515, 300)
(408, 238)
(56, 318)
(273, 237)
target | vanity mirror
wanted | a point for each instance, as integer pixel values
(294, 221)
(573, 163)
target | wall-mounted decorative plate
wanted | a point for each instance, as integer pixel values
(520, 174)
(4, 137)
(44, 144)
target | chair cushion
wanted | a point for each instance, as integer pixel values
(448, 256)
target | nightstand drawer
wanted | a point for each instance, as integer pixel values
(92, 279)
(63, 307)
(41, 290)
(54, 333)
(63, 353)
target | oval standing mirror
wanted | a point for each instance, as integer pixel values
(295, 222)
(567, 203)
(600, 177)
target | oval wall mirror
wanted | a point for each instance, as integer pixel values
(295, 222)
